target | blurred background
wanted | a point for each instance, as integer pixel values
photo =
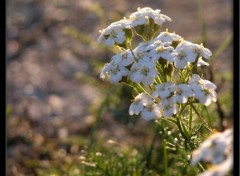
(56, 104)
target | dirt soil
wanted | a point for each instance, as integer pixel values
(45, 54)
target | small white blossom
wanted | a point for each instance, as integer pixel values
(215, 149)
(143, 15)
(139, 102)
(143, 71)
(221, 169)
(204, 52)
(218, 150)
(203, 90)
(163, 90)
(127, 58)
(156, 43)
(142, 51)
(114, 33)
(162, 52)
(114, 71)
(169, 106)
(124, 58)
(187, 52)
(182, 93)
(184, 54)
(151, 112)
(168, 37)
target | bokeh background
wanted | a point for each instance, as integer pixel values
(55, 99)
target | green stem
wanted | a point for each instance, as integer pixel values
(130, 47)
(195, 110)
(178, 123)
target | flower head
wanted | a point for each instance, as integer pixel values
(143, 71)
(139, 102)
(184, 54)
(163, 90)
(169, 106)
(203, 90)
(162, 52)
(114, 33)
(217, 150)
(143, 15)
(142, 50)
(151, 112)
(114, 70)
(182, 93)
(123, 58)
(168, 37)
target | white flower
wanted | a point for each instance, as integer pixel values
(143, 71)
(183, 92)
(127, 58)
(142, 17)
(169, 106)
(215, 149)
(163, 90)
(168, 37)
(141, 51)
(203, 90)
(162, 52)
(114, 71)
(151, 112)
(114, 33)
(124, 58)
(139, 102)
(204, 52)
(184, 53)
(156, 43)
(221, 169)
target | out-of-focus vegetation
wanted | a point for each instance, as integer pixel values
(63, 120)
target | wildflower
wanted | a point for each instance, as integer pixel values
(221, 169)
(201, 51)
(169, 106)
(156, 43)
(203, 90)
(143, 71)
(162, 52)
(184, 53)
(114, 33)
(182, 93)
(114, 71)
(143, 15)
(139, 102)
(163, 90)
(151, 112)
(142, 51)
(215, 149)
(168, 37)
(124, 58)
(218, 150)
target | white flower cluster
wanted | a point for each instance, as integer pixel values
(218, 150)
(141, 66)
(169, 95)
(116, 32)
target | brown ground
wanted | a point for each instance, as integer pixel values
(46, 101)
